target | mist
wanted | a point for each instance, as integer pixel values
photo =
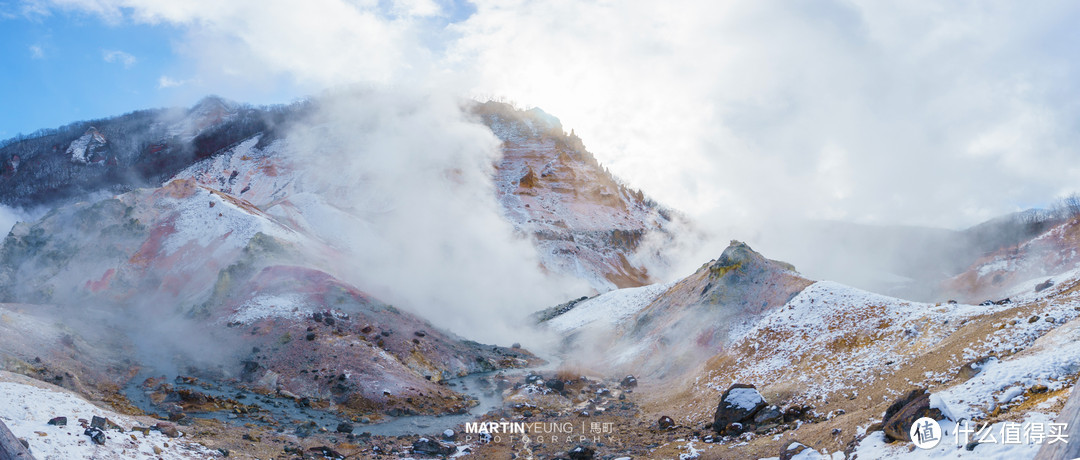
(402, 183)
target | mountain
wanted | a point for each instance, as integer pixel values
(196, 245)
(826, 359)
(583, 220)
(163, 263)
(186, 244)
(139, 149)
(660, 331)
(1048, 255)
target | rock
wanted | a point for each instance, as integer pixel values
(449, 434)
(794, 413)
(738, 404)
(96, 435)
(58, 421)
(1039, 388)
(167, 429)
(972, 368)
(555, 384)
(324, 452)
(581, 453)
(665, 422)
(769, 414)
(98, 422)
(902, 413)
(157, 450)
(432, 447)
(310, 336)
(1044, 285)
(628, 382)
(1033, 319)
(971, 445)
(792, 450)
(345, 427)
(516, 346)
(1050, 319)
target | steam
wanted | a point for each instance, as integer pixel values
(9, 216)
(402, 183)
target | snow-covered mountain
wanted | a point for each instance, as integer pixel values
(197, 241)
(832, 358)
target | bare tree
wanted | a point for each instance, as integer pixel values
(1070, 205)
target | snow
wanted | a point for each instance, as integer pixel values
(609, 308)
(26, 406)
(79, 148)
(997, 264)
(952, 444)
(225, 223)
(273, 306)
(744, 398)
(691, 452)
(827, 312)
(1050, 361)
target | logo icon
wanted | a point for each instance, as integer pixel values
(925, 433)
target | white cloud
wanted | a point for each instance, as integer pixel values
(734, 111)
(729, 110)
(120, 57)
(36, 52)
(166, 82)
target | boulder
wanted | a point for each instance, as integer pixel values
(902, 413)
(432, 447)
(167, 429)
(581, 453)
(665, 422)
(792, 450)
(628, 382)
(738, 404)
(770, 414)
(1044, 285)
(96, 435)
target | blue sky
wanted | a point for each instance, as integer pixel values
(66, 64)
(69, 66)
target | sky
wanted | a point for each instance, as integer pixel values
(735, 112)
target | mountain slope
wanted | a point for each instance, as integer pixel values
(833, 357)
(583, 220)
(114, 155)
(196, 278)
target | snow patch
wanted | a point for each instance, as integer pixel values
(273, 306)
(609, 308)
(27, 407)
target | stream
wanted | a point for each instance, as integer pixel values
(291, 414)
